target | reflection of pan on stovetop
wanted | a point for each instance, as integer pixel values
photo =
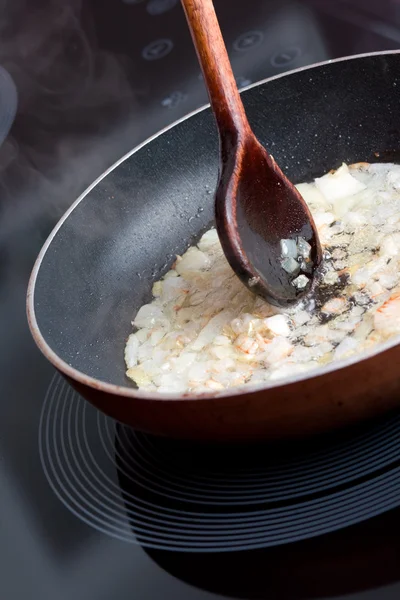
(196, 529)
(362, 558)
(98, 265)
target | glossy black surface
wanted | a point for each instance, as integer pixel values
(75, 118)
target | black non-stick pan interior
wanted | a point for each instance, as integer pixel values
(124, 233)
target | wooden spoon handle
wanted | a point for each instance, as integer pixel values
(213, 57)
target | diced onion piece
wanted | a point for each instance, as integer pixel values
(170, 274)
(170, 383)
(393, 177)
(278, 349)
(182, 362)
(312, 195)
(345, 348)
(222, 340)
(291, 266)
(289, 370)
(172, 288)
(148, 316)
(156, 337)
(193, 260)
(209, 240)
(157, 289)
(221, 352)
(288, 248)
(139, 376)
(213, 385)
(339, 184)
(212, 329)
(390, 245)
(132, 351)
(335, 306)
(303, 247)
(387, 317)
(278, 325)
(323, 218)
(246, 344)
(301, 317)
(301, 282)
(143, 334)
(198, 373)
(331, 277)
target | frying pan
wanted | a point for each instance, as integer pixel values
(98, 265)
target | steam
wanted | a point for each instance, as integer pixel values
(75, 109)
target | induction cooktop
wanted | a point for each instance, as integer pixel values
(90, 509)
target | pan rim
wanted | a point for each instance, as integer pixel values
(132, 393)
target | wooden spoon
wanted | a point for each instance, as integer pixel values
(265, 227)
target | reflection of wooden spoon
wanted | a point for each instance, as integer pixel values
(257, 207)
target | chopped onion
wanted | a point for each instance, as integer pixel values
(132, 351)
(211, 330)
(303, 247)
(301, 282)
(291, 266)
(312, 195)
(288, 248)
(209, 241)
(339, 184)
(345, 348)
(278, 325)
(205, 332)
(148, 316)
(387, 317)
(193, 260)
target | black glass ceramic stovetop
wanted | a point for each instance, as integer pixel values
(88, 508)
